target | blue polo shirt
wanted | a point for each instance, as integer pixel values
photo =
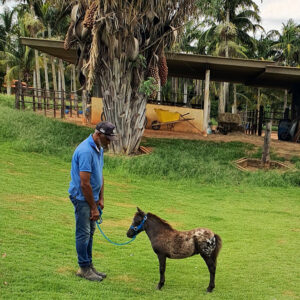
(86, 158)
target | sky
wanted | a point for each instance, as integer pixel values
(273, 12)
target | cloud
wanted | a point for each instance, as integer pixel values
(276, 12)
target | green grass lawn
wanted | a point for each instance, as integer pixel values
(188, 183)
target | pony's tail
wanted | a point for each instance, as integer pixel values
(218, 247)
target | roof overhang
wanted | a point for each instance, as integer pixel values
(52, 47)
(256, 73)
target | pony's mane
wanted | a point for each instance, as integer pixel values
(159, 220)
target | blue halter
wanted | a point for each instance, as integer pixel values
(139, 227)
(135, 228)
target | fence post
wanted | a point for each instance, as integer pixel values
(17, 96)
(62, 108)
(260, 122)
(70, 110)
(22, 97)
(33, 100)
(45, 103)
(54, 104)
(256, 121)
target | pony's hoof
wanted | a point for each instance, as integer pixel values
(209, 289)
(159, 286)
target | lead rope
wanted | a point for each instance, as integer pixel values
(98, 222)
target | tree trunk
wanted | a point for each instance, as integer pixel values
(185, 90)
(159, 92)
(258, 98)
(59, 83)
(226, 38)
(206, 101)
(62, 76)
(285, 100)
(226, 84)
(266, 149)
(221, 99)
(175, 88)
(234, 107)
(49, 31)
(54, 76)
(74, 86)
(34, 83)
(123, 105)
(38, 78)
(198, 91)
(8, 82)
(46, 76)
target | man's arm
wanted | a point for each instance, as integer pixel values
(88, 194)
(101, 195)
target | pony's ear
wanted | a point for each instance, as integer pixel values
(139, 210)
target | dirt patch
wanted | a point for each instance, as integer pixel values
(281, 148)
(251, 164)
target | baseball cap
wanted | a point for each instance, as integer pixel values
(108, 129)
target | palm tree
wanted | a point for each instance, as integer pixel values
(19, 58)
(6, 31)
(121, 50)
(230, 22)
(55, 22)
(287, 44)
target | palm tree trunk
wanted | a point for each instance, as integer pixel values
(266, 148)
(285, 100)
(226, 84)
(49, 31)
(53, 66)
(62, 75)
(258, 98)
(226, 39)
(34, 83)
(198, 91)
(59, 83)
(206, 108)
(185, 90)
(54, 76)
(74, 86)
(46, 76)
(8, 82)
(175, 88)
(38, 78)
(124, 106)
(234, 107)
(221, 99)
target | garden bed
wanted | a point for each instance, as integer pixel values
(252, 164)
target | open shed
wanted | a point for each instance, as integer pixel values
(256, 73)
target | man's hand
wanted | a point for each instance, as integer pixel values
(94, 214)
(101, 203)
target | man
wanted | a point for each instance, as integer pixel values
(87, 193)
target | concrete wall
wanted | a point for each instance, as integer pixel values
(195, 125)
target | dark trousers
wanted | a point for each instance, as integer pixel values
(85, 229)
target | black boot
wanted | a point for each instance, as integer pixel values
(103, 275)
(87, 273)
